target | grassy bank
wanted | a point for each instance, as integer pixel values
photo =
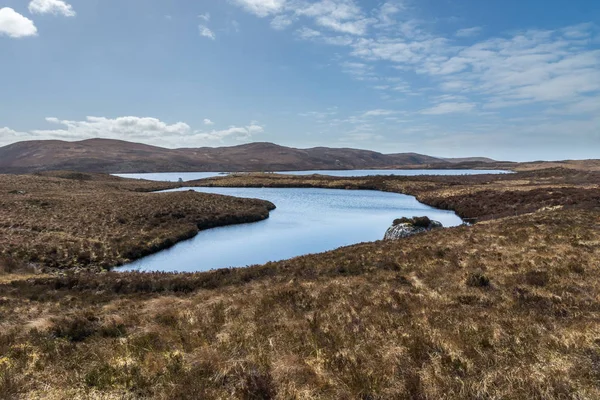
(506, 308)
(74, 220)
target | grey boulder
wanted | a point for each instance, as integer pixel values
(404, 227)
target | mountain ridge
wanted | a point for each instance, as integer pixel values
(119, 156)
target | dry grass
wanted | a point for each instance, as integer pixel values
(507, 308)
(583, 165)
(75, 220)
(504, 309)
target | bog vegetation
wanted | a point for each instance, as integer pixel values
(506, 308)
(76, 220)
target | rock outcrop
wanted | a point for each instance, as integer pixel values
(404, 227)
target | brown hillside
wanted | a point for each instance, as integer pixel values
(115, 156)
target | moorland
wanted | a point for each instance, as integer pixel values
(508, 307)
(117, 156)
(72, 220)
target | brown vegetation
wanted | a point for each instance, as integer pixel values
(584, 165)
(506, 308)
(113, 156)
(421, 222)
(503, 309)
(69, 220)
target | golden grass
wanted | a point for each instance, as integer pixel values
(508, 308)
(399, 319)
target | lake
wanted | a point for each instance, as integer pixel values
(305, 221)
(190, 176)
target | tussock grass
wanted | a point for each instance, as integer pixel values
(504, 309)
(507, 308)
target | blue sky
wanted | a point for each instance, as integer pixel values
(516, 80)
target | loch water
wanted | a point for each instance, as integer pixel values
(190, 176)
(305, 221)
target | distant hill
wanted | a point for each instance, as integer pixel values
(469, 159)
(116, 156)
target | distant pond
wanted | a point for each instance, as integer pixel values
(190, 176)
(305, 221)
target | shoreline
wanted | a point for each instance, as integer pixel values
(73, 221)
(466, 195)
(473, 198)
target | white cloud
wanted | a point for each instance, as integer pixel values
(580, 31)
(359, 71)
(361, 137)
(399, 50)
(320, 115)
(206, 32)
(343, 16)
(235, 132)
(589, 105)
(531, 67)
(307, 33)
(262, 8)
(205, 17)
(449, 108)
(56, 7)
(136, 129)
(337, 40)
(378, 113)
(388, 10)
(207, 122)
(358, 27)
(281, 22)
(527, 67)
(132, 127)
(14, 25)
(8, 136)
(468, 32)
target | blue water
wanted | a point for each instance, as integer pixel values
(397, 172)
(305, 221)
(190, 176)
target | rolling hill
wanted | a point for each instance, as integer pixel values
(116, 156)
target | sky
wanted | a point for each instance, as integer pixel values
(509, 79)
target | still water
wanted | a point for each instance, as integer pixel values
(305, 221)
(190, 176)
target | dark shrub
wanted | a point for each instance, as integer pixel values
(76, 328)
(478, 280)
(257, 386)
(402, 220)
(537, 278)
(8, 264)
(421, 222)
(78, 176)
